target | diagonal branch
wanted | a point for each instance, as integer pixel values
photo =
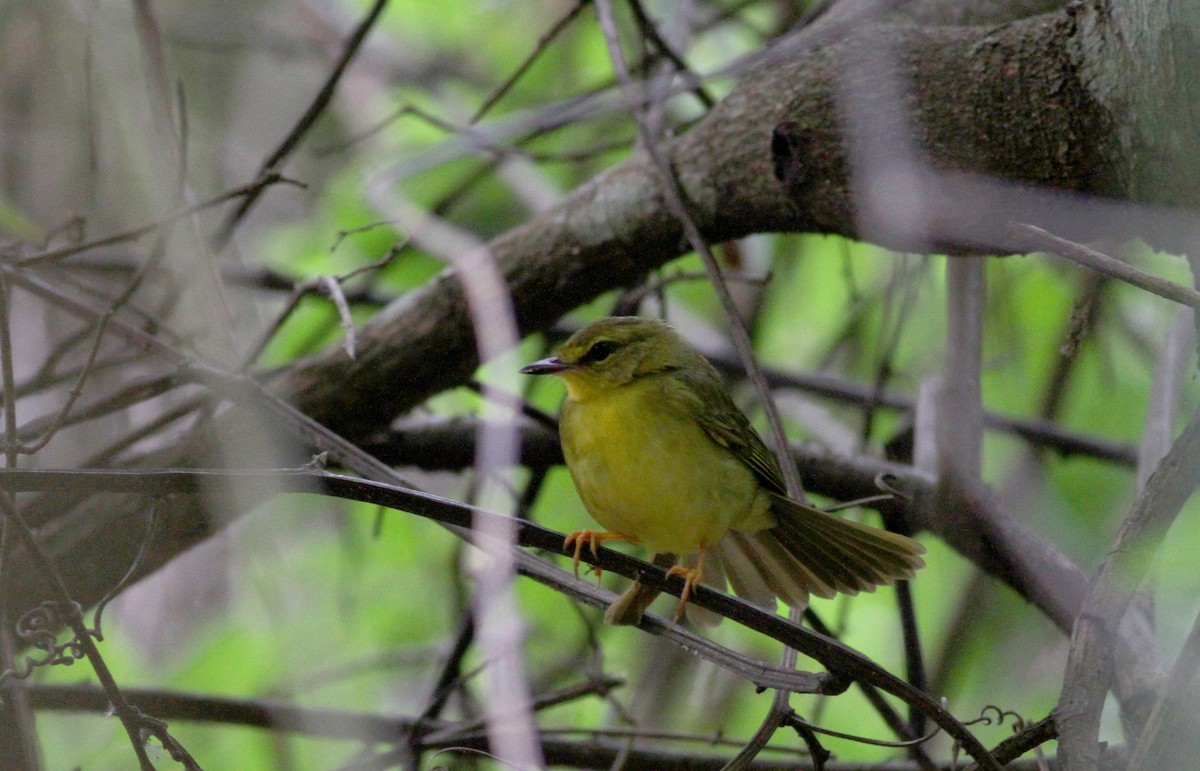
(1090, 663)
(844, 663)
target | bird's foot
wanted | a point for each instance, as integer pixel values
(592, 539)
(691, 577)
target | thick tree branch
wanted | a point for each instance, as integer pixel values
(966, 84)
(610, 232)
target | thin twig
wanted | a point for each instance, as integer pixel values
(648, 29)
(1165, 389)
(134, 393)
(333, 290)
(447, 678)
(147, 540)
(1038, 239)
(329, 286)
(85, 372)
(178, 213)
(105, 455)
(314, 111)
(796, 719)
(914, 662)
(542, 44)
(591, 687)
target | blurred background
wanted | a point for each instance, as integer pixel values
(131, 136)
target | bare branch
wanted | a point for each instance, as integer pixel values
(1090, 664)
(1039, 239)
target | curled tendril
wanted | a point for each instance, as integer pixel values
(38, 628)
(999, 717)
(39, 625)
(147, 539)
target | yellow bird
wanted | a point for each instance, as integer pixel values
(662, 457)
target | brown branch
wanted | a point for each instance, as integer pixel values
(1026, 739)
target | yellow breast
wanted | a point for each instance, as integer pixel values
(646, 469)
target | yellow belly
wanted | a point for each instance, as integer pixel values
(650, 472)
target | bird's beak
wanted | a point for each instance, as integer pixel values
(550, 366)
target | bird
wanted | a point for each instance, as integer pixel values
(661, 456)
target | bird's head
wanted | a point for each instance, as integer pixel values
(613, 352)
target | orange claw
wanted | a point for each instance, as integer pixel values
(593, 539)
(691, 577)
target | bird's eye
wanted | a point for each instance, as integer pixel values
(599, 352)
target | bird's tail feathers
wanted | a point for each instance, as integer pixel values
(807, 552)
(766, 570)
(840, 555)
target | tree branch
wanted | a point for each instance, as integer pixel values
(1090, 664)
(610, 232)
(599, 752)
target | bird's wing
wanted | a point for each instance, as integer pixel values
(728, 426)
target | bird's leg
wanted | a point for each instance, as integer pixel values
(593, 539)
(627, 610)
(690, 576)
